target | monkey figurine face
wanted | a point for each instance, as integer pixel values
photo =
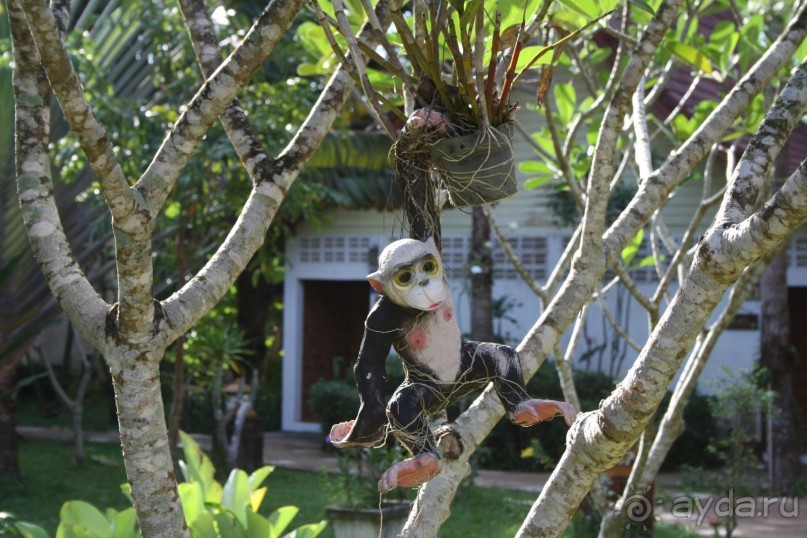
(410, 274)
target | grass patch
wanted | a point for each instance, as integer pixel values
(49, 479)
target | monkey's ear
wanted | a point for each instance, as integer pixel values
(375, 281)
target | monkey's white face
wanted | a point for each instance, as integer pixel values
(411, 274)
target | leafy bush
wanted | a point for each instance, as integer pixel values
(211, 510)
(336, 400)
(539, 447)
(333, 400)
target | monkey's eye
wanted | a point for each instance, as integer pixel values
(431, 267)
(403, 277)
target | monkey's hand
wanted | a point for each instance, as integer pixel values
(531, 412)
(339, 433)
(409, 473)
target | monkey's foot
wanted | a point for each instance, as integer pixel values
(339, 433)
(531, 412)
(409, 473)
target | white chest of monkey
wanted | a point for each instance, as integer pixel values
(434, 340)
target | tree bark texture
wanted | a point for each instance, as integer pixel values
(134, 333)
(601, 437)
(481, 269)
(779, 357)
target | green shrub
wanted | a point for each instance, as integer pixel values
(336, 400)
(333, 400)
(211, 510)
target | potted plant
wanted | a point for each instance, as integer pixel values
(359, 510)
(456, 62)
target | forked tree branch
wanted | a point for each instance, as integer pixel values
(86, 310)
(200, 294)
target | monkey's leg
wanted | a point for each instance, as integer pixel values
(501, 364)
(407, 413)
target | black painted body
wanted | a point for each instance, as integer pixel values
(440, 367)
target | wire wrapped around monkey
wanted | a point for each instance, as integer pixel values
(415, 315)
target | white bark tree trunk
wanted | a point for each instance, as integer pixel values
(736, 240)
(133, 333)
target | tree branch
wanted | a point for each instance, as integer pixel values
(764, 146)
(200, 294)
(91, 134)
(210, 101)
(86, 310)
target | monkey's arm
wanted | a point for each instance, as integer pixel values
(368, 428)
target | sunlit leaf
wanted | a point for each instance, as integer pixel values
(535, 182)
(312, 530)
(280, 519)
(29, 530)
(565, 100)
(691, 56)
(641, 4)
(84, 514)
(586, 8)
(632, 248)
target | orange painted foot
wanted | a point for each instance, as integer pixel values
(533, 411)
(409, 473)
(339, 433)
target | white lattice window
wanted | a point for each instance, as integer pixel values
(531, 251)
(455, 255)
(331, 249)
(357, 249)
(798, 252)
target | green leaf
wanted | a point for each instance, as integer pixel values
(312, 530)
(280, 519)
(197, 467)
(544, 139)
(258, 526)
(83, 514)
(259, 475)
(528, 54)
(204, 526)
(722, 43)
(516, 12)
(691, 56)
(29, 530)
(229, 526)
(641, 4)
(534, 167)
(124, 523)
(647, 261)
(586, 8)
(565, 99)
(538, 181)
(308, 70)
(630, 250)
(682, 127)
(235, 496)
(469, 14)
(173, 209)
(193, 500)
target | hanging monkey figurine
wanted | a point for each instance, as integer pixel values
(415, 315)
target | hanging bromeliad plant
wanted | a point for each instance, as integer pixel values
(447, 72)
